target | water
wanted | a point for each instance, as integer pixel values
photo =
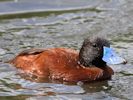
(65, 23)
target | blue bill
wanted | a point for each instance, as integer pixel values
(110, 56)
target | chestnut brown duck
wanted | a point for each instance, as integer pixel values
(64, 64)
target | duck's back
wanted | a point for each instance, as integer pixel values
(39, 61)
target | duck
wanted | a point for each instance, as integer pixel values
(88, 64)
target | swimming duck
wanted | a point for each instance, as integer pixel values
(65, 64)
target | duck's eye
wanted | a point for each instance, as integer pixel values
(94, 45)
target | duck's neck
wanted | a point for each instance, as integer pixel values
(96, 63)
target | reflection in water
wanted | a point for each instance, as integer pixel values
(43, 24)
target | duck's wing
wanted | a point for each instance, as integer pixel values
(31, 52)
(26, 55)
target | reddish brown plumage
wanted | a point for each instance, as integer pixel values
(59, 64)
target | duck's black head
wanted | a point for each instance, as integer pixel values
(91, 52)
